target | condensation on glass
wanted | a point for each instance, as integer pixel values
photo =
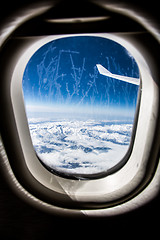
(80, 95)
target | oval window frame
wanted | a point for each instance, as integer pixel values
(106, 189)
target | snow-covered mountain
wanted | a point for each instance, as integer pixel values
(80, 147)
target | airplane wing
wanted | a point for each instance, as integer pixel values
(107, 73)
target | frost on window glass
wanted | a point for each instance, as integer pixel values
(80, 95)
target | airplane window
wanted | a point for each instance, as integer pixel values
(80, 95)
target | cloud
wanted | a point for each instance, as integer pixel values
(80, 147)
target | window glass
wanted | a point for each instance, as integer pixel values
(80, 95)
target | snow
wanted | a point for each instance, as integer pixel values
(80, 147)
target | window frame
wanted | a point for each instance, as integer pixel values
(105, 191)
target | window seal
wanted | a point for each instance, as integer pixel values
(121, 163)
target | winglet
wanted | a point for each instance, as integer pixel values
(103, 70)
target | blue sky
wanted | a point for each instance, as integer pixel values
(63, 73)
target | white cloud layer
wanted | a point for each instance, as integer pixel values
(80, 147)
